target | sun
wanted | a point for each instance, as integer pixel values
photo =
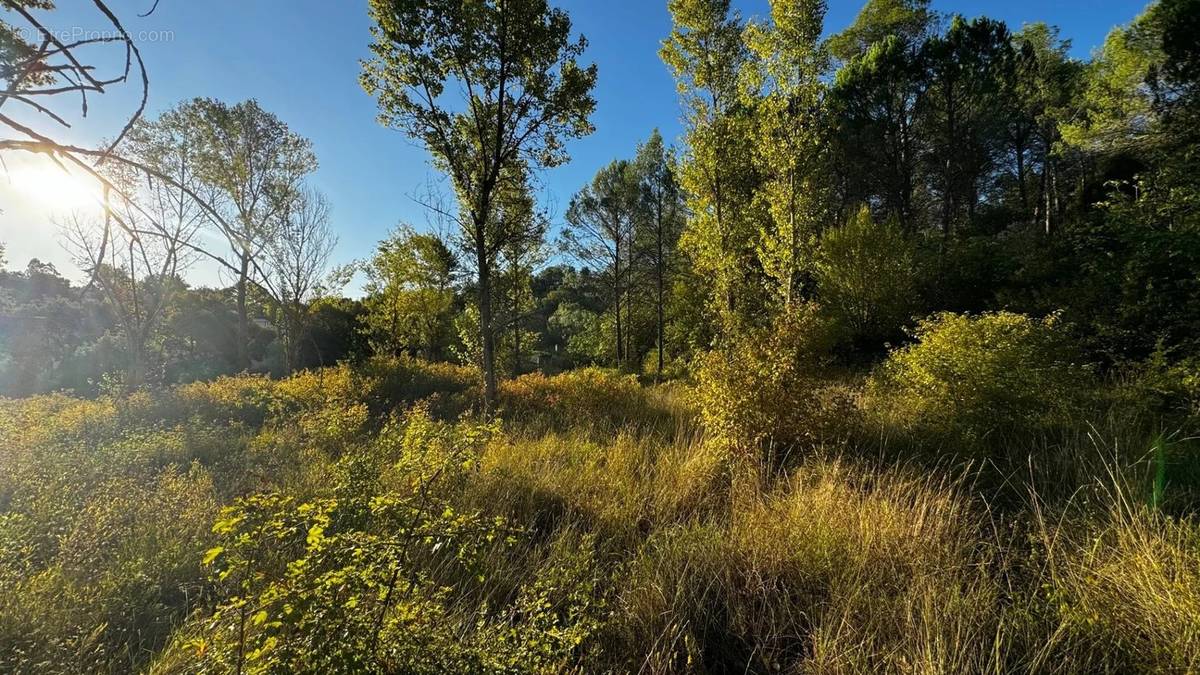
(45, 185)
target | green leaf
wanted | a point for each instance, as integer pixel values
(212, 554)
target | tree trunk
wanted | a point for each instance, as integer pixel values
(1020, 150)
(243, 325)
(617, 300)
(659, 273)
(487, 337)
(137, 360)
(516, 310)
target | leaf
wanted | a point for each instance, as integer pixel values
(212, 554)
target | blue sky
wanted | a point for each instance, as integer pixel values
(300, 59)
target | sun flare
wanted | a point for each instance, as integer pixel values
(50, 187)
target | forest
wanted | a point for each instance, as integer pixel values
(889, 363)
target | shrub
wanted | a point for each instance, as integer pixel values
(240, 398)
(865, 276)
(376, 574)
(771, 386)
(121, 577)
(968, 378)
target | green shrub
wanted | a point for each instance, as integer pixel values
(771, 386)
(866, 278)
(241, 398)
(122, 573)
(973, 380)
(375, 575)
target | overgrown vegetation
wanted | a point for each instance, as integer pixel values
(891, 367)
(334, 523)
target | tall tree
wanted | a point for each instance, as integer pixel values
(910, 21)
(963, 112)
(706, 54)
(296, 263)
(516, 92)
(657, 233)
(1045, 83)
(147, 234)
(874, 104)
(135, 266)
(789, 144)
(523, 251)
(255, 164)
(601, 219)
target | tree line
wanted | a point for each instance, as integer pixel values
(911, 163)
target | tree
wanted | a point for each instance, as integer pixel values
(706, 54)
(137, 273)
(410, 294)
(909, 21)
(788, 148)
(296, 263)
(255, 165)
(148, 232)
(599, 233)
(866, 276)
(874, 102)
(963, 112)
(657, 231)
(515, 263)
(520, 95)
(1040, 96)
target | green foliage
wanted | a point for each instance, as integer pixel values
(525, 94)
(907, 20)
(866, 275)
(1117, 103)
(971, 382)
(706, 54)
(410, 287)
(789, 142)
(372, 576)
(770, 386)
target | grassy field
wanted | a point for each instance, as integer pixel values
(365, 519)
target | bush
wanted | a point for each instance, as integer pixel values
(378, 574)
(120, 576)
(865, 276)
(968, 380)
(771, 386)
(239, 398)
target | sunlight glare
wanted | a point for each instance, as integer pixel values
(47, 186)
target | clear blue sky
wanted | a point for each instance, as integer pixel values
(300, 59)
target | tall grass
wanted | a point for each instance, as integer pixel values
(633, 543)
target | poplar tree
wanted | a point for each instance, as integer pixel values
(707, 56)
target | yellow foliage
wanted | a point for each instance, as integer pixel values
(967, 378)
(771, 386)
